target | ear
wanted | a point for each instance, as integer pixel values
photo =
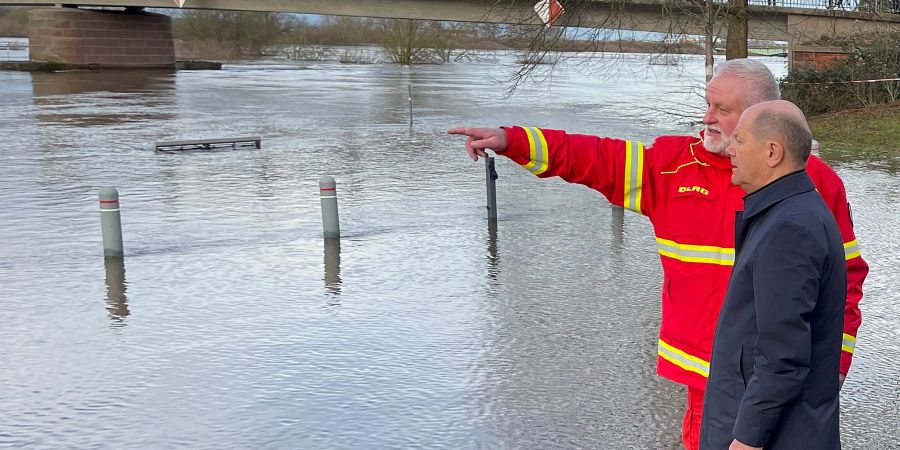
(774, 154)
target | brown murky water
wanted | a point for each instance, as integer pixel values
(231, 324)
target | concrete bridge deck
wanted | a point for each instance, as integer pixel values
(105, 38)
(769, 19)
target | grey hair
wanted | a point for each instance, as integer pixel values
(791, 131)
(761, 84)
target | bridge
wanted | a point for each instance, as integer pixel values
(136, 38)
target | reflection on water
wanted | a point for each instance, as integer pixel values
(436, 344)
(46, 84)
(333, 265)
(116, 288)
(886, 159)
(617, 227)
(116, 96)
(493, 255)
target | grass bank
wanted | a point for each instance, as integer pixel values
(867, 130)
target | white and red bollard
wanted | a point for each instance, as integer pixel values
(328, 194)
(111, 222)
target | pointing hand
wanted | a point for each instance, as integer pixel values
(480, 139)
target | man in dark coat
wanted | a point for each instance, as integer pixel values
(773, 380)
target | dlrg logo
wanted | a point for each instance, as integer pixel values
(693, 189)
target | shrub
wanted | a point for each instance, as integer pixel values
(826, 90)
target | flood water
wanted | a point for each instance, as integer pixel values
(232, 325)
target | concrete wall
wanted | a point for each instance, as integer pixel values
(100, 39)
(810, 36)
(803, 29)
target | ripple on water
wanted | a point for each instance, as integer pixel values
(231, 324)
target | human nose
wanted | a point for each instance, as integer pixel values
(708, 117)
(729, 151)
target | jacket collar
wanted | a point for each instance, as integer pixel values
(707, 157)
(789, 185)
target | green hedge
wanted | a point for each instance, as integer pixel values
(826, 90)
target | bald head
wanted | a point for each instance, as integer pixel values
(771, 140)
(781, 121)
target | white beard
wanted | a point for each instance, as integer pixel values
(717, 144)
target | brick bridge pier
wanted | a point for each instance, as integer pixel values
(100, 39)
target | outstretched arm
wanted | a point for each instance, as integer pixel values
(479, 139)
(616, 168)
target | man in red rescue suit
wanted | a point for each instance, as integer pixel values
(683, 185)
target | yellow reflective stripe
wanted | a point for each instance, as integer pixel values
(640, 176)
(634, 171)
(706, 254)
(682, 359)
(851, 249)
(530, 165)
(545, 152)
(849, 344)
(538, 155)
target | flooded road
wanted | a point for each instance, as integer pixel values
(231, 324)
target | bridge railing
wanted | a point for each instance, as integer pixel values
(884, 6)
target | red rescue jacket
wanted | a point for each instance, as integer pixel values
(687, 194)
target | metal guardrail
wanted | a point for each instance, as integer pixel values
(882, 6)
(207, 144)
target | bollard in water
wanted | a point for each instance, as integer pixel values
(328, 195)
(111, 222)
(490, 175)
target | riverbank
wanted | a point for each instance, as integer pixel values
(873, 129)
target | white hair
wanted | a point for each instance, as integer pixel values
(761, 84)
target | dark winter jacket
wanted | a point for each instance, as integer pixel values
(773, 379)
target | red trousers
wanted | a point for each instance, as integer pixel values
(690, 427)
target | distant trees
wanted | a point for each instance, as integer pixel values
(226, 34)
(214, 34)
(240, 34)
(338, 30)
(244, 33)
(409, 41)
(404, 40)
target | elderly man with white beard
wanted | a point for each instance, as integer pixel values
(683, 185)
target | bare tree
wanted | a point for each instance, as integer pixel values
(247, 32)
(708, 14)
(341, 30)
(403, 40)
(679, 19)
(736, 47)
